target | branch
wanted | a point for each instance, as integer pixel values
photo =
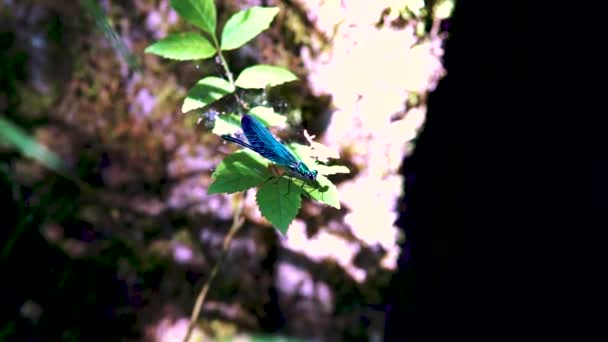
(237, 223)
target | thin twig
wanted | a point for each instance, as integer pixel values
(223, 62)
(237, 222)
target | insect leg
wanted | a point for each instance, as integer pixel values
(276, 172)
(269, 178)
(289, 178)
(314, 188)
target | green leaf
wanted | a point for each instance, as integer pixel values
(304, 153)
(322, 152)
(182, 47)
(316, 151)
(206, 91)
(331, 169)
(277, 205)
(238, 172)
(227, 124)
(308, 156)
(201, 13)
(231, 123)
(260, 76)
(245, 25)
(28, 146)
(326, 192)
(103, 23)
(268, 116)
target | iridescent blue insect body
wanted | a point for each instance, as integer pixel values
(262, 142)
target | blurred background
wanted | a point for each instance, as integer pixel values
(107, 229)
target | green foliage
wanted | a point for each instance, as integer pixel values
(262, 76)
(268, 116)
(277, 205)
(332, 170)
(183, 46)
(326, 192)
(279, 197)
(27, 145)
(102, 21)
(223, 101)
(245, 25)
(206, 91)
(308, 155)
(200, 13)
(227, 124)
(239, 171)
(231, 123)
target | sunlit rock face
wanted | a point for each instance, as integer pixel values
(370, 71)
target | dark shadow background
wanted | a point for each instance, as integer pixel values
(506, 201)
(506, 190)
(461, 252)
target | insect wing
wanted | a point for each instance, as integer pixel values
(237, 141)
(264, 143)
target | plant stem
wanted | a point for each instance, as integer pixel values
(223, 61)
(224, 65)
(237, 223)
